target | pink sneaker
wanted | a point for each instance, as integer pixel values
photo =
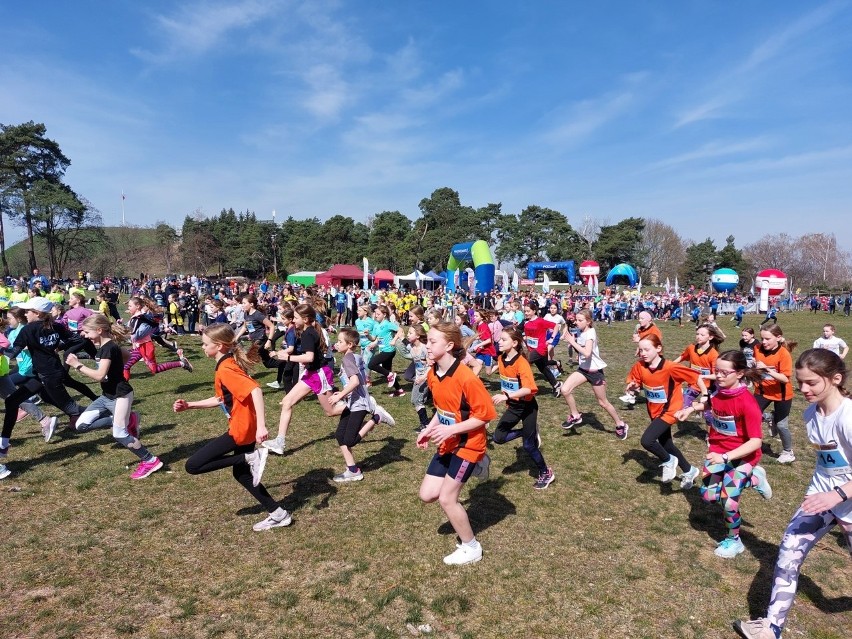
(146, 468)
(133, 426)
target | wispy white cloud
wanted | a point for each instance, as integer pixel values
(709, 151)
(735, 84)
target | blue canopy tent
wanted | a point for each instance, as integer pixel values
(622, 273)
(435, 276)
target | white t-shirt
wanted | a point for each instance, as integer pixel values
(832, 434)
(556, 319)
(833, 344)
(594, 361)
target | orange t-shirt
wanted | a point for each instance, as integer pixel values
(662, 387)
(651, 329)
(780, 361)
(233, 388)
(458, 396)
(516, 374)
(702, 363)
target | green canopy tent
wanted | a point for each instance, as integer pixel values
(305, 278)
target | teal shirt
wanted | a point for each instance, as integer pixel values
(385, 332)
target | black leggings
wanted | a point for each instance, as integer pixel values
(381, 363)
(214, 456)
(50, 387)
(543, 365)
(657, 439)
(525, 412)
(349, 426)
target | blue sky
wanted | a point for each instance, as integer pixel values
(718, 118)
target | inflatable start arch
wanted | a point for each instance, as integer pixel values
(483, 265)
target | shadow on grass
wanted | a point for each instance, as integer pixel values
(314, 482)
(523, 462)
(389, 453)
(690, 429)
(761, 586)
(308, 444)
(485, 507)
(651, 465)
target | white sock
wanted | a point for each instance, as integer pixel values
(278, 514)
(472, 543)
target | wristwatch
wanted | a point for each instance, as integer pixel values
(841, 492)
(725, 458)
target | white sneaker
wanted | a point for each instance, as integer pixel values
(275, 445)
(786, 457)
(274, 384)
(628, 398)
(754, 629)
(4, 472)
(687, 479)
(348, 475)
(464, 554)
(669, 469)
(729, 548)
(384, 416)
(391, 380)
(279, 518)
(48, 428)
(257, 463)
(482, 468)
(762, 486)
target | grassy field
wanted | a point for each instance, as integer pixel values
(606, 551)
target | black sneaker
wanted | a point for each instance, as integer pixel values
(573, 420)
(544, 480)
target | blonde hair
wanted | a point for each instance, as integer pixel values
(224, 335)
(116, 331)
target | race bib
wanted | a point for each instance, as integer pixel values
(831, 460)
(509, 384)
(72, 325)
(703, 371)
(724, 424)
(655, 394)
(446, 418)
(765, 372)
(532, 342)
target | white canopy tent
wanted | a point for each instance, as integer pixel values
(413, 278)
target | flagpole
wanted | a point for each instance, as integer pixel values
(123, 223)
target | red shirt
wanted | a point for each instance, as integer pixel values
(535, 334)
(736, 419)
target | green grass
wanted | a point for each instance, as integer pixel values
(606, 551)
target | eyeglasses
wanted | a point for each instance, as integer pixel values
(718, 372)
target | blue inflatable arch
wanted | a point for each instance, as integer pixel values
(483, 265)
(622, 271)
(534, 267)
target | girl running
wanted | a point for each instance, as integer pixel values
(113, 407)
(590, 370)
(485, 350)
(241, 399)
(701, 357)
(734, 442)
(464, 408)
(518, 390)
(535, 337)
(383, 345)
(415, 350)
(773, 359)
(748, 344)
(828, 421)
(142, 328)
(316, 377)
(661, 380)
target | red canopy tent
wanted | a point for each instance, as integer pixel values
(383, 275)
(339, 274)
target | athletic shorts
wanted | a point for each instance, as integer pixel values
(318, 381)
(341, 308)
(450, 465)
(485, 359)
(595, 378)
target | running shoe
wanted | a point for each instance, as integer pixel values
(762, 486)
(399, 392)
(184, 362)
(391, 380)
(482, 468)
(347, 476)
(146, 468)
(133, 425)
(729, 548)
(621, 431)
(755, 629)
(573, 420)
(274, 385)
(257, 463)
(687, 479)
(628, 398)
(4, 472)
(669, 469)
(275, 520)
(545, 479)
(464, 554)
(276, 445)
(384, 417)
(48, 427)
(786, 457)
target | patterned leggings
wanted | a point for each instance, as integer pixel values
(802, 534)
(725, 483)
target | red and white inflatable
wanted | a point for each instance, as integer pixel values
(770, 282)
(589, 271)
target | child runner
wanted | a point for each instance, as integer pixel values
(535, 336)
(464, 408)
(828, 421)
(773, 359)
(142, 328)
(590, 370)
(748, 344)
(415, 350)
(241, 399)
(518, 390)
(116, 393)
(383, 347)
(365, 325)
(485, 350)
(661, 380)
(830, 341)
(701, 357)
(734, 440)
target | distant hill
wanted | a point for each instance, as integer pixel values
(134, 250)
